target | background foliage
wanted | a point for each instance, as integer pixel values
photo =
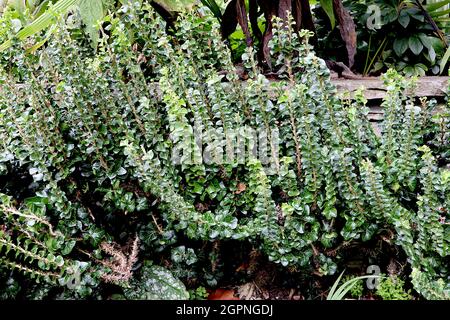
(92, 204)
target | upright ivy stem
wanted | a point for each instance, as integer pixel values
(103, 179)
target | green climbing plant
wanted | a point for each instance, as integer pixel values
(130, 141)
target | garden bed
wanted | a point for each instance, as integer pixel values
(426, 87)
(137, 163)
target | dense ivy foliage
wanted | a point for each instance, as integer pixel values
(88, 177)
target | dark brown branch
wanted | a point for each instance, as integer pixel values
(432, 22)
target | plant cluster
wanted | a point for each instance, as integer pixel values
(392, 288)
(357, 290)
(351, 285)
(403, 35)
(92, 133)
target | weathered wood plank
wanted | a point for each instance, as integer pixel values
(375, 89)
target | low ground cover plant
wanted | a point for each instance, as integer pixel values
(114, 179)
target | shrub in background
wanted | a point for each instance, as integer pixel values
(392, 288)
(92, 134)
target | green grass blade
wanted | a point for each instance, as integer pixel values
(440, 13)
(445, 60)
(327, 6)
(336, 283)
(436, 6)
(214, 7)
(339, 294)
(346, 287)
(42, 22)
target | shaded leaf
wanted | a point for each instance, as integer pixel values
(156, 283)
(327, 6)
(229, 20)
(432, 54)
(415, 45)
(400, 46)
(404, 19)
(91, 12)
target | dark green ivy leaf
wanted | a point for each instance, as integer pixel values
(415, 45)
(400, 46)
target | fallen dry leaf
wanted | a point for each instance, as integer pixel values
(242, 267)
(246, 291)
(241, 187)
(222, 294)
